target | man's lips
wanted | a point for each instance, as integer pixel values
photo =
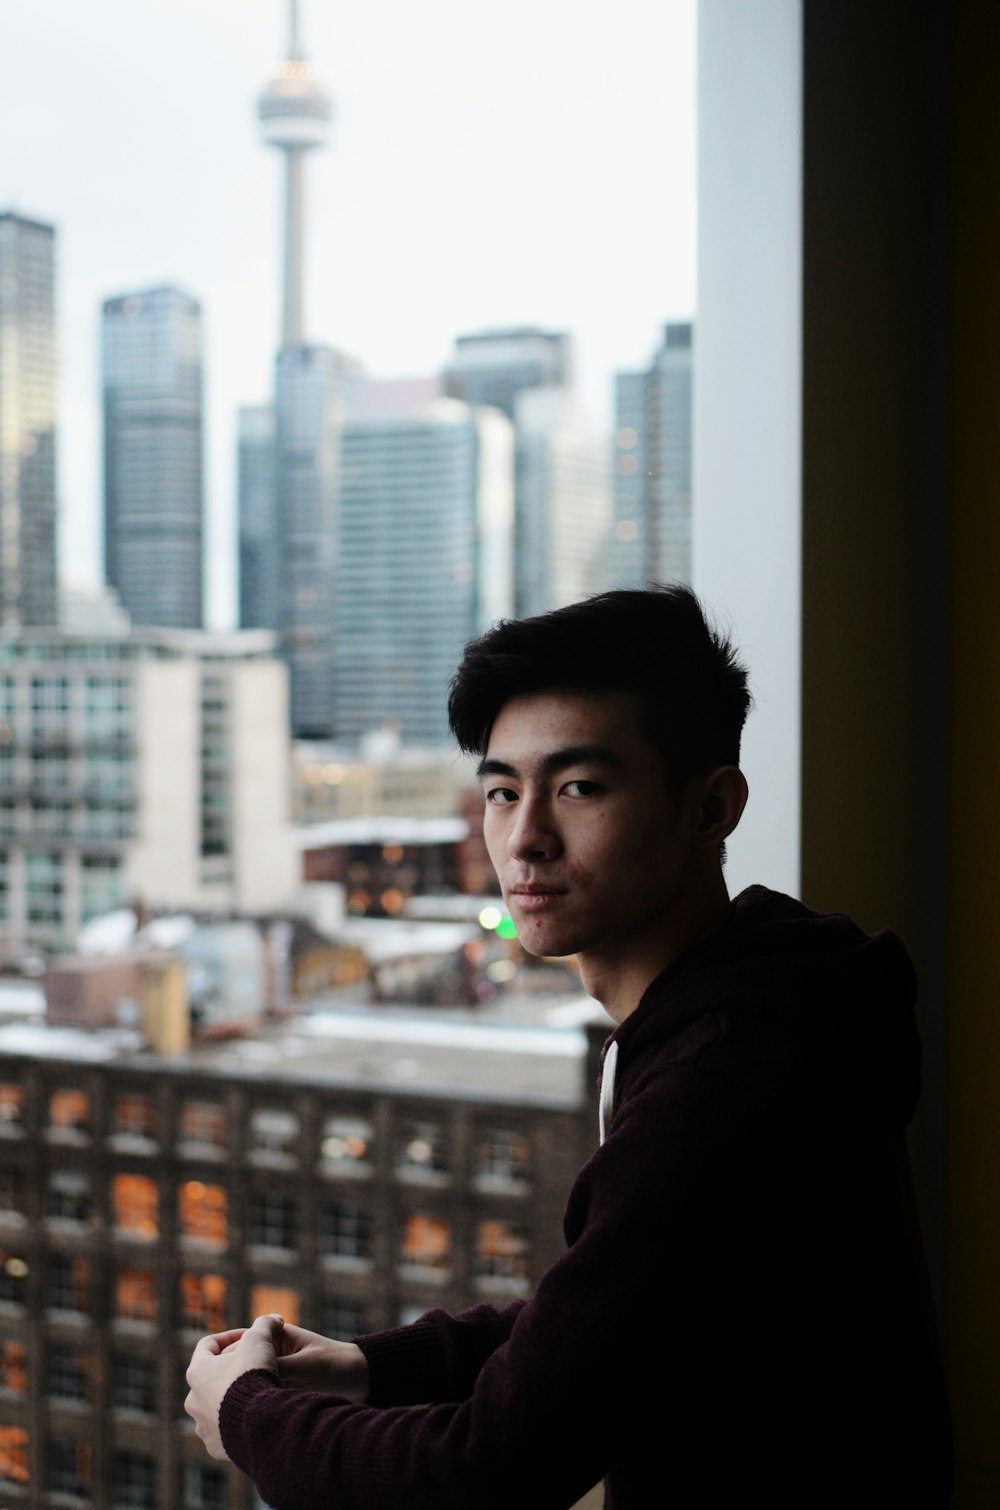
(534, 896)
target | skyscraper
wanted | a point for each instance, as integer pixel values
(153, 509)
(652, 466)
(27, 422)
(561, 504)
(288, 482)
(424, 560)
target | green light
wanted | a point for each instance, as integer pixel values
(506, 929)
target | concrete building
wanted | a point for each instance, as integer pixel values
(652, 467)
(350, 1173)
(145, 767)
(28, 378)
(153, 505)
(424, 561)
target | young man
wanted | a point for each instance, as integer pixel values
(739, 1316)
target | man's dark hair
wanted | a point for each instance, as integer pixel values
(658, 644)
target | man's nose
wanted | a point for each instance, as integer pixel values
(534, 834)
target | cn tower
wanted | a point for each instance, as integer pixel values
(294, 112)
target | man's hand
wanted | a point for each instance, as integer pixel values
(308, 1361)
(216, 1362)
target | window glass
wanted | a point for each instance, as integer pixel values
(68, 1467)
(135, 1205)
(13, 1455)
(342, 1317)
(13, 1277)
(134, 1115)
(133, 1383)
(67, 1372)
(203, 1487)
(202, 1210)
(273, 1131)
(69, 1110)
(11, 1193)
(502, 1158)
(347, 1145)
(11, 1106)
(203, 1123)
(203, 1302)
(345, 1232)
(13, 1366)
(135, 1294)
(422, 1151)
(277, 1300)
(425, 1242)
(271, 1221)
(67, 1195)
(67, 1283)
(133, 1484)
(501, 1252)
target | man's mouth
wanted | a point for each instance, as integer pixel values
(534, 896)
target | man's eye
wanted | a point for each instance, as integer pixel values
(501, 796)
(581, 788)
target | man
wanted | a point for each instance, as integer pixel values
(739, 1316)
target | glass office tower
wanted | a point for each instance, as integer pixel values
(153, 504)
(27, 423)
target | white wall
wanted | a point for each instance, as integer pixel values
(747, 428)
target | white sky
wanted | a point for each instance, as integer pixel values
(517, 164)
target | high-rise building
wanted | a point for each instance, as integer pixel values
(153, 510)
(652, 466)
(145, 764)
(424, 560)
(561, 504)
(27, 422)
(259, 575)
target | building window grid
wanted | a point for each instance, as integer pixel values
(136, 1292)
(422, 1152)
(345, 1232)
(13, 1366)
(133, 1481)
(67, 1283)
(133, 1383)
(203, 1124)
(68, 1196)
(69, 1468)
(67, 1373)
(272, 1221)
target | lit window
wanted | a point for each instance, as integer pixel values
(69, 1111)
(274, 1132)
(203, 1124)
(11, 1107)
(13, 1274)
(503, 1159)
(271, 1221)
(133, 1383)
(13, 1455)
(67, 1196)
(135, 1295)
(346, 1145)
(275, 1300)
(68, 1468)
(203, 1302)
(67, 1283)
(133, 1484)
(67, 1372)
(425, 1242)
(422, 1152)
(134, 1116)
(502, 1253)
(202, 1210)
(135, 1205)
(345, 1232)
(13, 1366)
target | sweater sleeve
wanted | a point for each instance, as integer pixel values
(436, 1358)
(556, 1403)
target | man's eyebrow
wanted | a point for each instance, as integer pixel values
(554, 761)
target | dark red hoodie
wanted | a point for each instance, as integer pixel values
(740, 1315)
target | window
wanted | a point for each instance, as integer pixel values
(203, 1125)
(274, 1132)
(203, 1302)
(134, 1116)
(425, 1244)
(502, 1159)
(133, 1383)
(11, 1195)
(275, 1300)
(345, 1233)
(13, 1274)
(203, 1487)
(13, 1366)
(69, 1111)
(67, 1196)
(202, 1210)
(67, 1372)
(68, 1468)
(11, 1108)
(135, 1295)
(422, 1152)
(271, 1221)
(135, 1205)
(67, 1283)
(342, 1318)
(13, 1455)
(346, 1146)
(133, 1481)
(502, 1253)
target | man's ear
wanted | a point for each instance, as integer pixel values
(723, 797)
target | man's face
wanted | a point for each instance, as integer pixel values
(588, 842)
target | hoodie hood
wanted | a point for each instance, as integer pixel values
(795, 984)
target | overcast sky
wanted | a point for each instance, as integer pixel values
(530, 163)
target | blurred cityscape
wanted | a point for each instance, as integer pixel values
(267, 1037)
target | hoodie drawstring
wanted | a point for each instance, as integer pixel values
(607, 1103)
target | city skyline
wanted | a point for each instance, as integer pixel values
(440, 210)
